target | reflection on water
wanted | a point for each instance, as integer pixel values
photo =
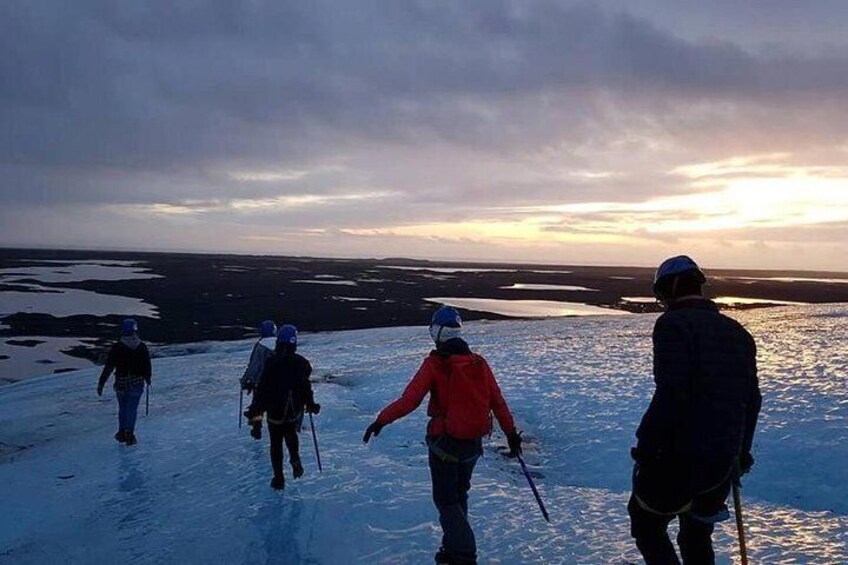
(527, 308)
(790, 279)
(639, 299)
(566, 287)
(741, 301)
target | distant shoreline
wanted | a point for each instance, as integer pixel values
(76, 299)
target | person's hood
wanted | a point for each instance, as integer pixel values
(454, 346)
(131, 341)
(269, 343)
(696, 302)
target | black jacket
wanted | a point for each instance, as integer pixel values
(130, 360)
(707, 399)
(284, 389)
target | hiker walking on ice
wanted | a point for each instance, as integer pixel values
(696, 435)
(283, 394)
(130, 360)
(463, 395)
(263, 349)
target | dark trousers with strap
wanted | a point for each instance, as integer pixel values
(451, 467)
(650, 530)
(283, 432)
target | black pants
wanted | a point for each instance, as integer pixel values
(650, 530)
(451, 472)
(278, 433)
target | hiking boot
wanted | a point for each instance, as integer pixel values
(278, 483)
(297, 468)
(129, 438)
(121, 436)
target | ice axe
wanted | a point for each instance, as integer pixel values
(315, 441)
(535, 491)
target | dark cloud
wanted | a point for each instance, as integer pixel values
(452, 108)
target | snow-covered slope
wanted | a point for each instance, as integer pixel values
(195, 489)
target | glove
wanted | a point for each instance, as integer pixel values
(99, 390)
(253, 415)
(374, 429)
(313, 408)
(256, 430)
(514, 440)
(746, 461)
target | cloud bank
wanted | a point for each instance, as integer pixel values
(549, 131)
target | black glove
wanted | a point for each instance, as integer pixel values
(746, 461)
(256, 430)
(373, 429)
(638, 455)
(514, 440)
(100, 389)
(313, 408)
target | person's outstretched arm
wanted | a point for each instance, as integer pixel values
(663, 427)
(502, 414)
(107, 370)
(146, 369)
(752, 413)
(411, 398)
(498, 405)
(309, 403)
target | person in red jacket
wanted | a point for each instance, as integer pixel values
(463, 396)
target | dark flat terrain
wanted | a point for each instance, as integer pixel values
(224, 297)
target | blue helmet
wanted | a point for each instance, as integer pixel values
(674, 267)
(129, 327)
(287, 335)
(446, 316)
(268, 328)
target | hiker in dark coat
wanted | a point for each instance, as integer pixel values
(696, 435)
(463, 396)
(283, 394)
(130, 360)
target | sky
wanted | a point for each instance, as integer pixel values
(609, 132)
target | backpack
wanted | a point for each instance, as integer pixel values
(284, 401)
(469, 414)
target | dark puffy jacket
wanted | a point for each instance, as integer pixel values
(707, 399)
(130, 360)
(284, 389)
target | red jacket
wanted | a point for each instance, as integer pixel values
(432, 378)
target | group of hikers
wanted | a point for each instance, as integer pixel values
(693, 443)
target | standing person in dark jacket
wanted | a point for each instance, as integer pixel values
(130, 360)
(463, 395)
(695, 438)
(284, 392)
(262, 351)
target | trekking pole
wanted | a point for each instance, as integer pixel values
(315, 441)
(535, 491)
(241, 402)
(740, 526)
(147, 400)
